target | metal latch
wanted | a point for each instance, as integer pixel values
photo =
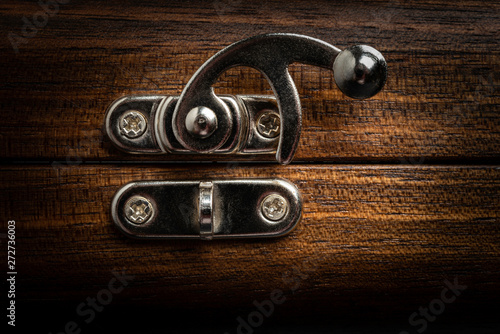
(198, 121)
(217, 209)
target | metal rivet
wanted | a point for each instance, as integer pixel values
(201, 122)
(268, 124)
(138, 210)
(274, 207)
(133, 124)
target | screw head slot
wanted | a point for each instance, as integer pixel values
(138, 210)
(360, 71)
(274, 207)
(268, 124)
(133, 124)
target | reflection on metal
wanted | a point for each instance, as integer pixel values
(138, 210)
(218, 209)
(198, 121)
(274, 207)
(268, 124)
(132, 124)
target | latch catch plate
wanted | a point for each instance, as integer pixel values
(217, 209)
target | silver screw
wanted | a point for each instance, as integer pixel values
(133, 124)
(268, 124)
(274, 207)
(138, 210)
(201, 122)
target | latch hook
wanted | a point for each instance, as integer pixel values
(203, 122)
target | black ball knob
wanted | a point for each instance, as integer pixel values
(360, 71)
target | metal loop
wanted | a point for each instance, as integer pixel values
(271, 54)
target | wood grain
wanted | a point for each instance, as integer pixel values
(374, 242)
(440, 104)
(377, 241)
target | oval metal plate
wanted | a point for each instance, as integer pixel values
(232, 209)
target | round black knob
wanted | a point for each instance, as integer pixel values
(360, 71)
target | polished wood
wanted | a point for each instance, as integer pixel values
(440, 102)
(401, 191)
(379, 237)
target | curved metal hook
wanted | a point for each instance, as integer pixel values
(359, 71)
(271, 54)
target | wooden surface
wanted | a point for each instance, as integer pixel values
(382, 238)
(401, 191)
(440, 101)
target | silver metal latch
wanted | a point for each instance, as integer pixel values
(216, 209)
(198, 121)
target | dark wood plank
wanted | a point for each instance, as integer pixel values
(441, 101)
(375, 242)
